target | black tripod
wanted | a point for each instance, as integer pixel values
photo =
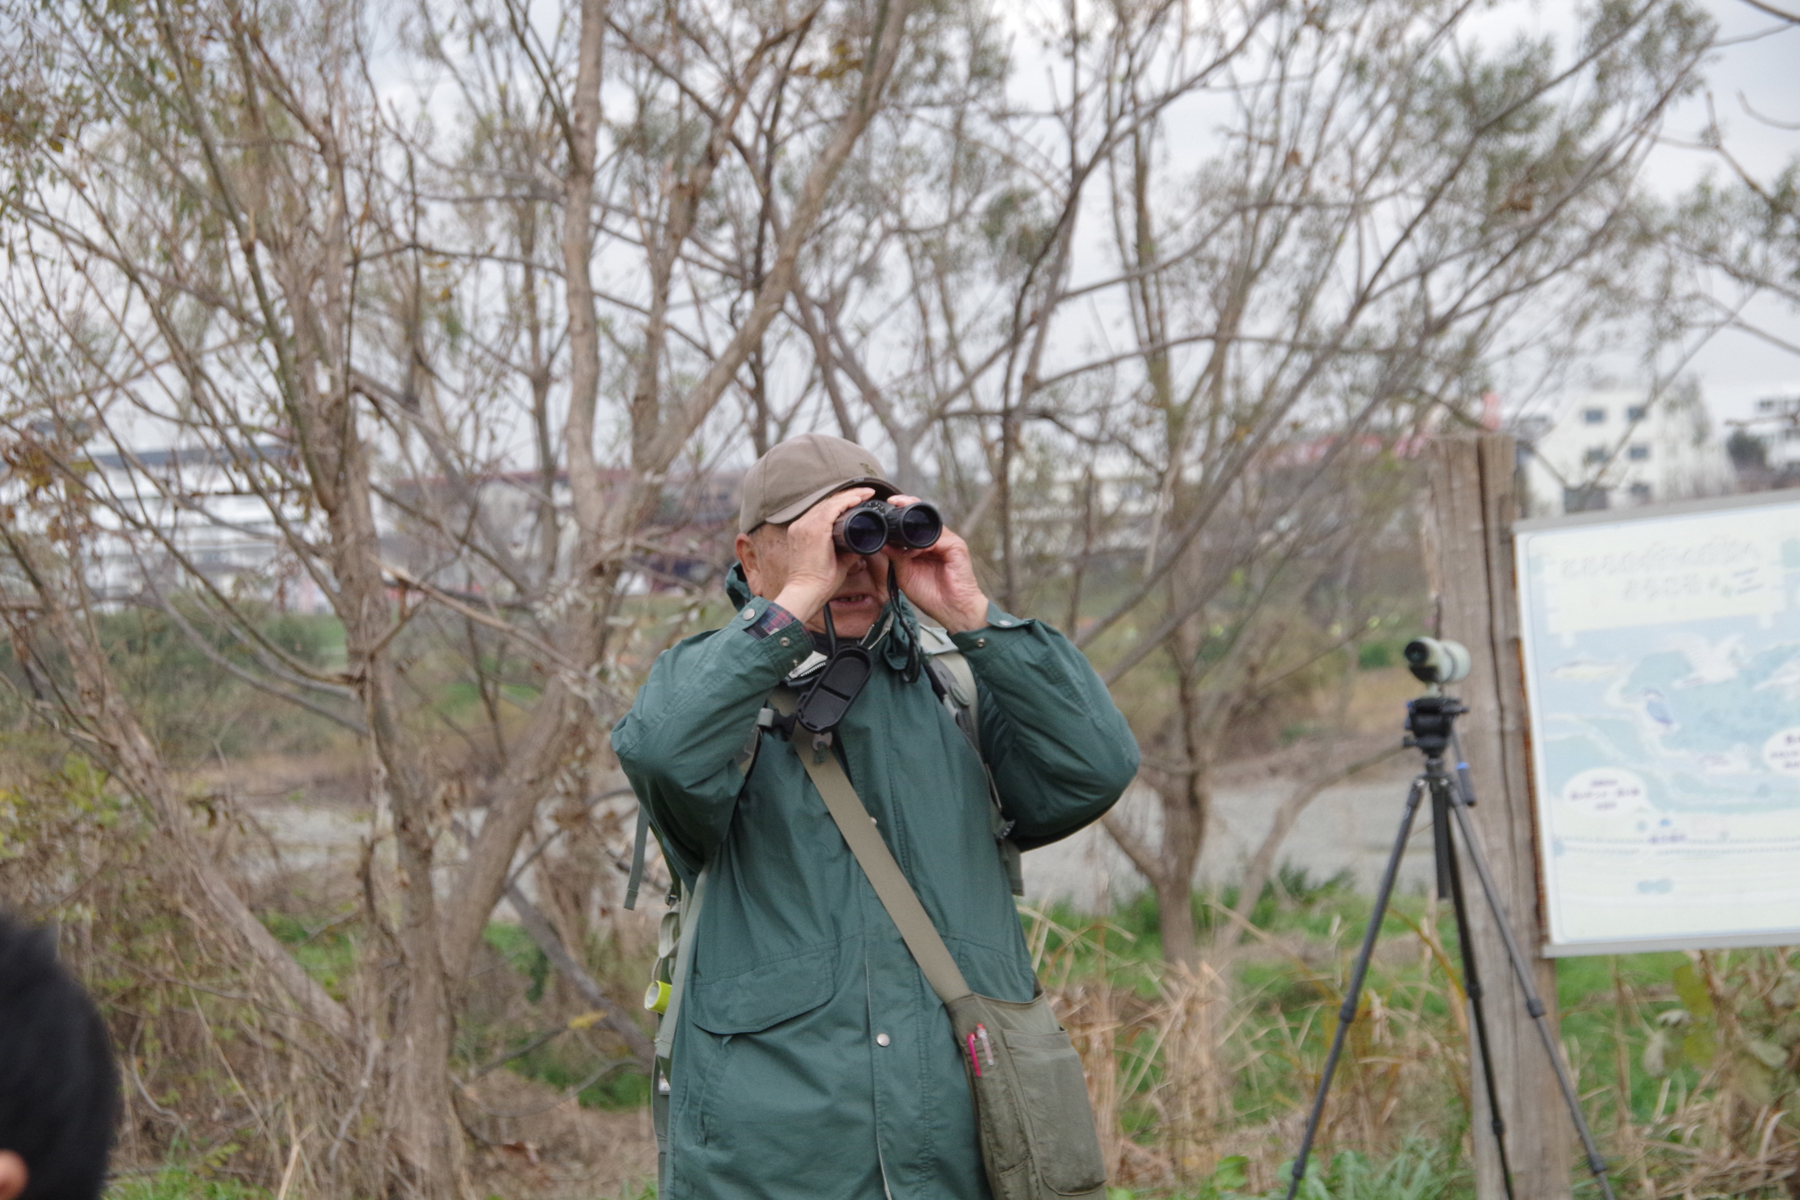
(1431, 724)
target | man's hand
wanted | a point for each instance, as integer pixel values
(941, 580)
(815, 568)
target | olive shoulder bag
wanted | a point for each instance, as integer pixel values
(1038, 1140)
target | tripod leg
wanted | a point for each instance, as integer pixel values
(1534, 1005)
(1442, 848)
(1440, 812)
(1347, 1012)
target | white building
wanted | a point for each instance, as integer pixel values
(1615, 449)
(170, 513)
(1777, 423)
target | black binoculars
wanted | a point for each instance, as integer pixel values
(873, 524)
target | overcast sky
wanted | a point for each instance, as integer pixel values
(1754, 73)
(1761, 69)
(1755, 69)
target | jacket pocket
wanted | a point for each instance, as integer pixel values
(765, 995)
(752, 1074)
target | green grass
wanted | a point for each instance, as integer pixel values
(328, 952)
(456, 699)
(1587, 998)
(622, 1089)
(183, 1182)
(522, 954)
(561, 1063)
(1293, 900)
(325, 949)
(1420, 1171)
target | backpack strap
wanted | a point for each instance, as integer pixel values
(637, 855)
(668, 983)
(954, 681)
(687, 919)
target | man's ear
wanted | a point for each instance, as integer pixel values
(746, 554)
(14, 1174)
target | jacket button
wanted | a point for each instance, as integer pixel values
(784, 641)
(980, 642)
(882, 1039)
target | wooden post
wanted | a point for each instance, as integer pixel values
(1473, 501)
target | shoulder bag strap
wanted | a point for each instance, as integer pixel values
(877, 861)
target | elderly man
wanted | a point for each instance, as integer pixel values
(810, 1058)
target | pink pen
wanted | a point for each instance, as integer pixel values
(976, 1061)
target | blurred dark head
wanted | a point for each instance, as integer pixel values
(58, 1086)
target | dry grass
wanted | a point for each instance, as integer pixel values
(538, 1141)
(221, 1077)
(1689, 1066)
(1192, 1068)
(1704, 1094)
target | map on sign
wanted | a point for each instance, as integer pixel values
(1662, 672)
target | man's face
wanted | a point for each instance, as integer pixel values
(856, 603)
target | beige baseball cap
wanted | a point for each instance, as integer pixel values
(798, 473)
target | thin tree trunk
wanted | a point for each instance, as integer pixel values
(578, 251)
(554, 744)
(421, 1115)
(1175, 915)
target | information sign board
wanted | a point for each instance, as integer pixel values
(1662, 676)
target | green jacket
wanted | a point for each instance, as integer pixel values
(812, 1060)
